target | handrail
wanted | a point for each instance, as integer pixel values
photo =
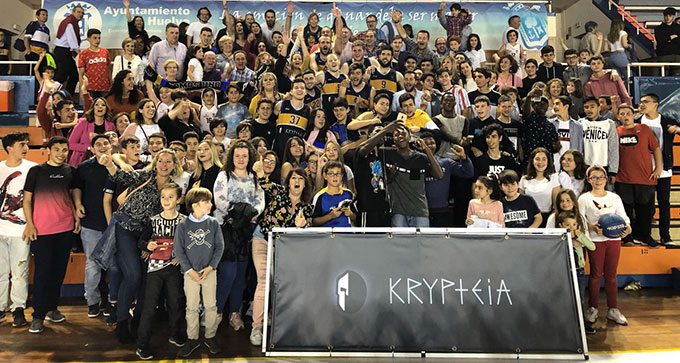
(662, 65)
(31, 63)
(623, 17)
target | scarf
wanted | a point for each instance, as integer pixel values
(64, 23)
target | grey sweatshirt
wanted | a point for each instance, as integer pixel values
(198, 243)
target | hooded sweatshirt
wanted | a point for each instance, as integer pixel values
(598, 86)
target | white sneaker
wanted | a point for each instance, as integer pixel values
(591, 315)
(256, 336)
(616, 316)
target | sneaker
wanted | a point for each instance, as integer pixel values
(591, 315)
(256, 336)
(188, 348)
(55, 316)
(107, 310)
(93, 311)
(36, 326)
(651, 242)
(19, 318)
(236, 322)
(3, 316)
(177, 341)
(112, 317)
(213, 345)
(589, 329)
(615, 315)
(144, 353)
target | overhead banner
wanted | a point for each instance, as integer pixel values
(490, 19)
(457, 293)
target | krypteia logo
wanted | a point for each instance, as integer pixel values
(351, 291)
(91, 17)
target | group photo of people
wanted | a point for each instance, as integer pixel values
(192, 145)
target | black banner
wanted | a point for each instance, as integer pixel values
(435, 293)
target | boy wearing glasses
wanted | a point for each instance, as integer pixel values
(333, 205)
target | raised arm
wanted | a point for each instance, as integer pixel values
(126, 3)
(289, 19)
(229, 21)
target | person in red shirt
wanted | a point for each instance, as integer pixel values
(95, 63)
(637, 175)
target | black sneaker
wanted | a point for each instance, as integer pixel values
(112, 317)
(144, 353)
(123, 332)
(93, 311)
(213, 345)
(177, 341)
(188, 348)
(19, 318)
(590, 330)
(651, 242)
(107, 309)
(3, 316)
(36, 326)
(55, 316)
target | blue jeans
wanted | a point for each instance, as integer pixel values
(93, 273)
(400, 220)
(619, 61)
(231, 280)
(128, 260)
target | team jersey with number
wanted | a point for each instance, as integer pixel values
(330, 90)
(291, 122)
(385, 82)
(351, 95)
(314, 100)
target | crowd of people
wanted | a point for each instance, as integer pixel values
(192, 148)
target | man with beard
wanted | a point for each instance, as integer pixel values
(355, 90)
(271, 25)
(440, 47)
(409, 87)
(318, 60)
(313, 95)
(382, 77)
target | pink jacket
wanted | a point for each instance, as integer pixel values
(605, 86)
(79, 141)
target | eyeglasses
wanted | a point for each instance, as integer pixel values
(597, 178)
(647, 101)
(177, 150)
(268, 161)
(334, 174)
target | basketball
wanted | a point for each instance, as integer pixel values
(612, 225)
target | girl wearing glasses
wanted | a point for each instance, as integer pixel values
(604, 260)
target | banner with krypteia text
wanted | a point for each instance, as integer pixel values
(453, 292)
(490, 19)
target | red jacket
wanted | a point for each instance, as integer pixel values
(599, 86)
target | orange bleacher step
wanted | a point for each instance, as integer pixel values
(640, 260)
(35, 133)
(675, 214)
(35, 155)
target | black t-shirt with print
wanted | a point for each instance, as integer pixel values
(520, 212)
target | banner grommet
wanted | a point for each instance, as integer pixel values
(517, 350)
(389, 235)
(507, 236)
(447, 236)
(332, 235)
(454, 349)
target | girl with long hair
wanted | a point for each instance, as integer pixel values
(572, 171)
(267, 88)
(124, 94)
(541, 181)
(293, 156)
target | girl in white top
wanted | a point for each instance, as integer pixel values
(593, 204)
(573, 171)
(474, 51)
(513, 47)
(194, 68)
(541, 182)
(129, 60)
(467, 78)
(145, 123)
(617, 40)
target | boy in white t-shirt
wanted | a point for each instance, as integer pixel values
(14, 251)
